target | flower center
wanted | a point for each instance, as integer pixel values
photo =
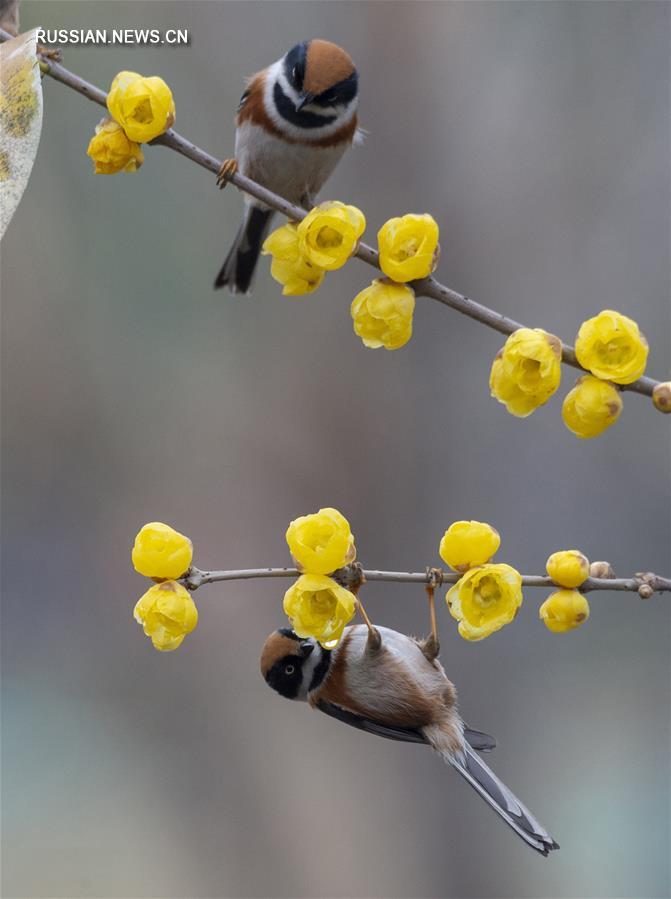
(143, 112)
(328, 237)
(407, 249)
(487, 593)
(615, 351)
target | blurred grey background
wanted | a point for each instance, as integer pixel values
(537, 134)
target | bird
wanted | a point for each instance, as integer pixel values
(392, 685)
(294, 122)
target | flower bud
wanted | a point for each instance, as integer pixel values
(564, 611)
(161, 552)
(322, 542)
(466, 544)
(112, 151)
(611, 346)
(144, 107)
(568, 568)
(645, 591)
(408, 247)
(591, 407)
(290, 268)
(661, 396)
(601, 570)
(167, 613)
(382, 314)
(526, 371)
(319, 607)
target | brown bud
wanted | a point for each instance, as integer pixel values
(661, 396)
(645, 591)
(601, 570)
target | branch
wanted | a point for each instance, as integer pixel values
(428, 287)
(643, 583)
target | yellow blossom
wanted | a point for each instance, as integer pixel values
(112, 151)
(319, 607)
(329, 234)
(161, 552)
(591, 407)
(485, 599)
(289, 267)
(564, 611)
(142, 106)
(611, 346)
(568, 568)
(526, 371)
(167, 613)
(322, 542)
(382, 314)
(409, 247)
(466, 544)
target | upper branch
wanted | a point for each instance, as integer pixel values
(428, 287)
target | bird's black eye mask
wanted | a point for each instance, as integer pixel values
(294, 66)
(285, 676)
(342, 92)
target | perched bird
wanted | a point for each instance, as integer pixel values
(386, 683)
(294, 122)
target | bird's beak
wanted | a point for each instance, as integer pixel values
(306, 648)
(304, 100)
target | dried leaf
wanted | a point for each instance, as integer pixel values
(20, 119)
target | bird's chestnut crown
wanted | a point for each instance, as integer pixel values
(322, 73)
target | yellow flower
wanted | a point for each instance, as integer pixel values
(526, 371)
(591, 407)
(612, 348)
(319, 607)
(329, 233)
(161, 552)
(167, 613)
(485, 599)
(568, 568)
(466, 544)
(322, 542)
(382, 314)
(289, 267)
(564, 611)
(408, 247)
(112, 151)
(142, 106)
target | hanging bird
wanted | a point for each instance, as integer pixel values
(388, 684)
(294, 122)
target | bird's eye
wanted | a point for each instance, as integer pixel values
(289, 669)
(294, 73)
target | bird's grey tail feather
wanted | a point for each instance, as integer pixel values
(502, 800)
(478, 740)
(238, 269)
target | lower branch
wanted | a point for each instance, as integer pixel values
(643, 583)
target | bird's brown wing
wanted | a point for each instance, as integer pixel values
(476, 738)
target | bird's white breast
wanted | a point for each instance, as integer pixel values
(294, 171)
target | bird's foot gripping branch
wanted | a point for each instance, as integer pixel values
(483, 595)
(610, 349)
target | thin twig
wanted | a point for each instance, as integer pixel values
(196, 578)
(428, 287)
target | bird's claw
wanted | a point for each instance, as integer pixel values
(226, 171)
(430, 647)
